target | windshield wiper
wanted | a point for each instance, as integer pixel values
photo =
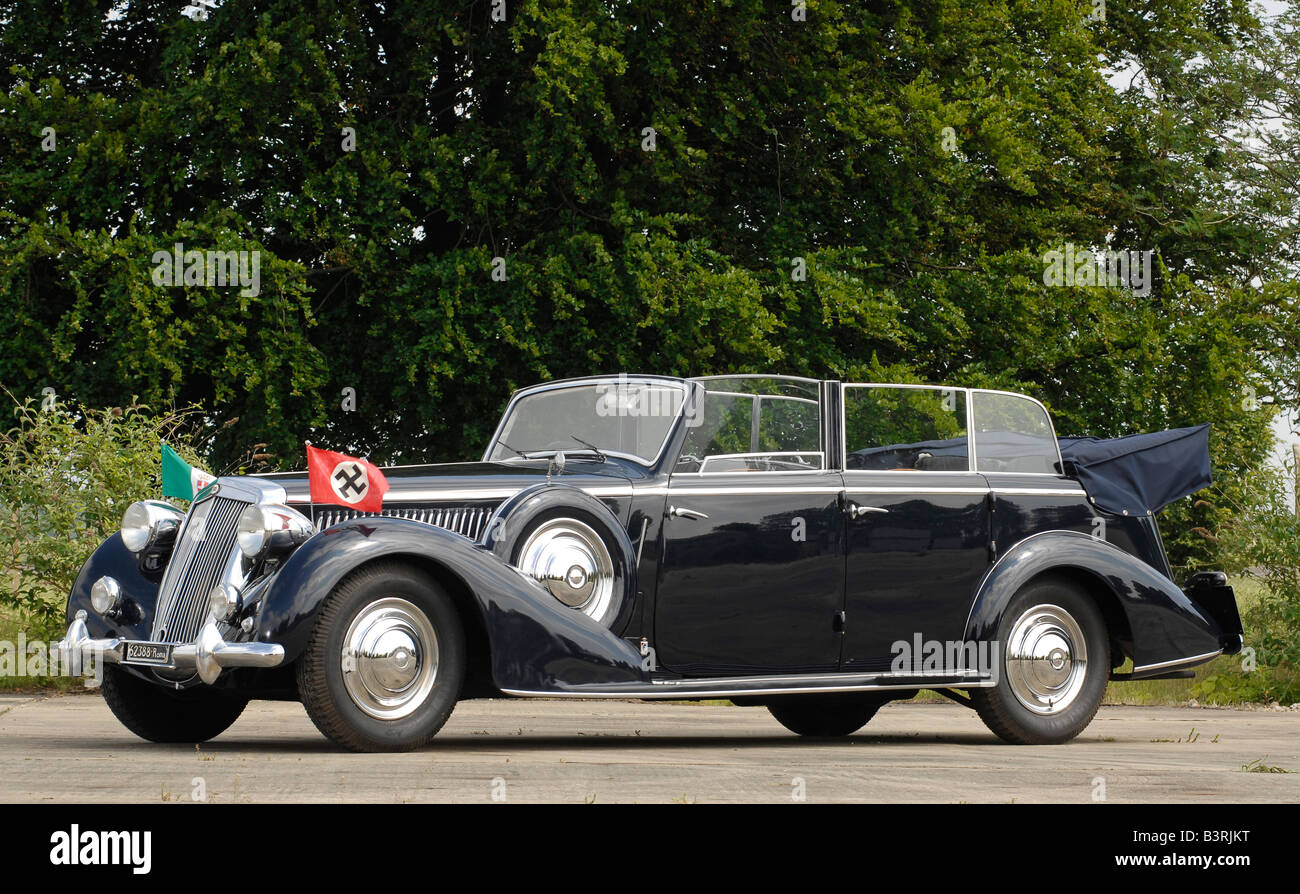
(594, 448)
(515, 450)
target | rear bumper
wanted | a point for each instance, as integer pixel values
(208, 655)
(1210, 592)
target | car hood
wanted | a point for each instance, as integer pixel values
(473, 481)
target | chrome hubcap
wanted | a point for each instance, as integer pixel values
(390, 659)
(1047, 659)
(571, 561)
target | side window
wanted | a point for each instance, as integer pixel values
(905, 429)
(1012, 434)
(788, 424)
(754, 430)
(724, 425)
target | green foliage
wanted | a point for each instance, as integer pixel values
(69, 474)
(876, 417)
(915, 158)
(1261, 541)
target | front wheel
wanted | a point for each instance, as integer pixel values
(386, 660)
(166, 715)
(824, 715)
(1054, 666)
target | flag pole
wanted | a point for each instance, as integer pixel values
(311, 505)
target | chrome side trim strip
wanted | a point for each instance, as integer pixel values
(716, 488)
(917, 490)
(1161, 665)
(749, 491)
(725, 693)
(1040, 491)
(804, 678)
(445, 496)
(777, 685)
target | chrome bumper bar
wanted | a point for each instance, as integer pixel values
(209, 654)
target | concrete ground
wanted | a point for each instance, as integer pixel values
(70, 749)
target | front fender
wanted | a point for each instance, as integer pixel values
(536, 643)
(139, 591)
(1166, 625)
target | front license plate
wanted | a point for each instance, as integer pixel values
(148, 653)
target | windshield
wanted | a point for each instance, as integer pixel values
(630, 419)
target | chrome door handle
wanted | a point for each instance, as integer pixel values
(857, 511)
(679, 512)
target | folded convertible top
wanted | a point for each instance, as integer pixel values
(1140, 474)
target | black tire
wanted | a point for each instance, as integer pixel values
(170, 716)
(824, 715)
(336, 706)
(1004, 712)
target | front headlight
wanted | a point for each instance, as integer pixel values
(149, 522)
(106, 595)
(225, 601)
(271, 527)
(252, 532)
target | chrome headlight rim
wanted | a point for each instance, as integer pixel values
(268, 527)
(251, 531)
(225, 602)
(147, 523)
(106, 596)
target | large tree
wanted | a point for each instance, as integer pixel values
(654, 182)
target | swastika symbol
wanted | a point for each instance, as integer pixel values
(349, 482)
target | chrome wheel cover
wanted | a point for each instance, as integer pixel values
(572, 562)
(1046, 659)
(390, 659)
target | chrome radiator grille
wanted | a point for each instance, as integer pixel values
(468, 521)
(202, 553)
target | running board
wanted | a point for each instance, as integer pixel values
(724, 687)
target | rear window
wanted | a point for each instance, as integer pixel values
(1012, 434)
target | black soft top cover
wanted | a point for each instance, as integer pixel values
(1140, 474)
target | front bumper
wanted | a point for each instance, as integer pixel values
(208, 655)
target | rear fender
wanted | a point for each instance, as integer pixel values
(1166, 625)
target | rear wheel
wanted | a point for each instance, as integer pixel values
(1054, 666)
(386, 661)
(824, 715)
(167, 715)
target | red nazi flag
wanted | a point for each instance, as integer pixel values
(345, 480)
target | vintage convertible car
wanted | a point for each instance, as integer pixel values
(817, 547)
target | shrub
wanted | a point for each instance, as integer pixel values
(1261, 540)
(66, 476)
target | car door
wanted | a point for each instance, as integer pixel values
(752, 570)
(917, 520)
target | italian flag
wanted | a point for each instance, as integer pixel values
(179, 478)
